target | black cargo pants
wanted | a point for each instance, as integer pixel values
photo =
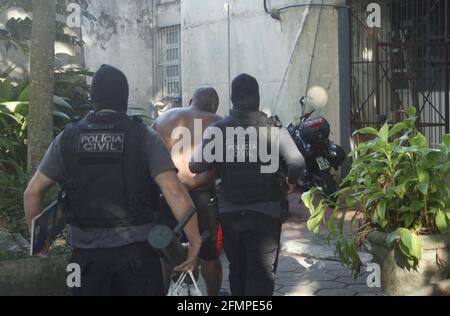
(251, 242)
(132, 270)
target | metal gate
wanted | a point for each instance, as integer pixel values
(404, 63)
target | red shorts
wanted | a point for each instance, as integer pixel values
(219, 240)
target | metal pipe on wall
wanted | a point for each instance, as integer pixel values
(229, 55)
(291, 57)
(276, 11)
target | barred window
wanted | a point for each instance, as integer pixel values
(170, 65)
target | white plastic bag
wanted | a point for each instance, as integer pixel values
(180, 288)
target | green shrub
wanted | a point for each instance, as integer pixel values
(399, 185)
(13, 137)
(11, 201)
(12, 256)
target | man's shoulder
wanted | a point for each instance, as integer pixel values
(168, 117)
(173, 113)
(210, 119)
(150, 132)
(222, 121)
(216, 118)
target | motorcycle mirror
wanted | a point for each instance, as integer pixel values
(303, 105)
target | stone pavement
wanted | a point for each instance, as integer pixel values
(307, 267)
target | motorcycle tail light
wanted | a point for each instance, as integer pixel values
(314, 123)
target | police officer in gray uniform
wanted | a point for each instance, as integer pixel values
(112, 168)
(250, 199)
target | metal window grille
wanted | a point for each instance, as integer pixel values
(170, 65)
(404, 63)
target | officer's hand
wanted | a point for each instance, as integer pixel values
(191, 260)
(291, 188)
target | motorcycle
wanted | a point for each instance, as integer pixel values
(311, 135)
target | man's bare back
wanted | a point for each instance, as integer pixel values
(203, 107)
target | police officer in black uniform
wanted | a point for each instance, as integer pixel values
(251, 201)
(111, 167)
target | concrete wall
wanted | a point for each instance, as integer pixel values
(34, 277)
(123, 37)
(168, 13)
(261, 46)
(126, 35)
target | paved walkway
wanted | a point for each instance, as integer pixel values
(308, 267)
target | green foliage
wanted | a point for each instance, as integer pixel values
(14, 102)
(11, 191)
(12, 256)
(399, 185)
(70, 100)
(60, 250)
(70, 85)
(55, 251)
(16, 34)
(13, 125)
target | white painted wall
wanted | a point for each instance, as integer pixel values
(124, 39)
(168, 13)
(127, 37)
(261, 46)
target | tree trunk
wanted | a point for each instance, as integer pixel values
(42, 58)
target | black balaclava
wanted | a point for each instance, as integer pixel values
(245, 93)
(110, 89)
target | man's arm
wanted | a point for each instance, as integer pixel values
(34, 194)
(210, 173)
(198, 165)
(179, 201)
(292, 156)
(201, 180)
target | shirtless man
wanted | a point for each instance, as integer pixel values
(203, 106)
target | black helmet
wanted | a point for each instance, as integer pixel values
(315, 131)
(336, 155)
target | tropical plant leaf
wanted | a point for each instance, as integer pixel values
(367, 130)
(410, 244)
(442, 222)
(383, 134)
(25, 94)
(14, 106)
(419, 140)
(381, 210)
(62, 104)
(392, 238)
(423, 175)
(423, 188)
(409, 219)
(446, 140)
(61, 117)
(411, 111)
(6, 90)
(398, 128)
